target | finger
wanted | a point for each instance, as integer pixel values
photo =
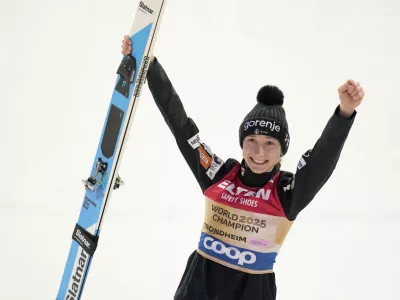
(125, 50)
(343, 88)
(350, 89)
(126, 41)
(359, 96)
(356, 91)
(350, 81)
(128, 50)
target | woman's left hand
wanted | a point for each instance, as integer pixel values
(351, 95)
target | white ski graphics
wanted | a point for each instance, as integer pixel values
(104, 174)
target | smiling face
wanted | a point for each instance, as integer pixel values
(261, 153)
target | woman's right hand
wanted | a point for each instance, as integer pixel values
(126, 47)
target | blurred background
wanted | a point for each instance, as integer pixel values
(58, 62)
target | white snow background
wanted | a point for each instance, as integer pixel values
(57, 70)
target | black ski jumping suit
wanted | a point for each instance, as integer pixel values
(247, 215)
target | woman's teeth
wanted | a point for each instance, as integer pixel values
(260, 162)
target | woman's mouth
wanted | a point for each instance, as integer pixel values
(258, 162)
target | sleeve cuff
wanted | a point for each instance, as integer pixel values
(154, 62)
(339, 125)
(337, 114)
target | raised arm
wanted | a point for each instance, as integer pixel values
(316, 165)
(207, 167)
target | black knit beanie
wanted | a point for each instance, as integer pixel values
(267, 117)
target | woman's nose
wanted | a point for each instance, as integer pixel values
(259, 150)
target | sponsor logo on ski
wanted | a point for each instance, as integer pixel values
(272, 126)
(76, 279)
(82, 239)
(245, 257)
(236, 191)
(87, 202)
(141, 77)
(145, 7)
(194, 141)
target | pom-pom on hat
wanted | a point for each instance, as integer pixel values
(267, 117)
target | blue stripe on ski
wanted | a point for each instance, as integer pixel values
(93, 200)
(89, 217)
(68, 271)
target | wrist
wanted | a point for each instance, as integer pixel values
(345, 111)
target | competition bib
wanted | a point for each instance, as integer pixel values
(244, 227)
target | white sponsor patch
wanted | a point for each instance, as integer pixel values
(301, 163)
(194, 141)
(215, 166)
(208, 149)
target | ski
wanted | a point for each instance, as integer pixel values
(104, 178)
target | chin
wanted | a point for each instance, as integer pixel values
(257, 171)
(260, 169)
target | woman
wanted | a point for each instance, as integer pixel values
(250, 205)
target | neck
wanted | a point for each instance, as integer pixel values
(251, 179)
